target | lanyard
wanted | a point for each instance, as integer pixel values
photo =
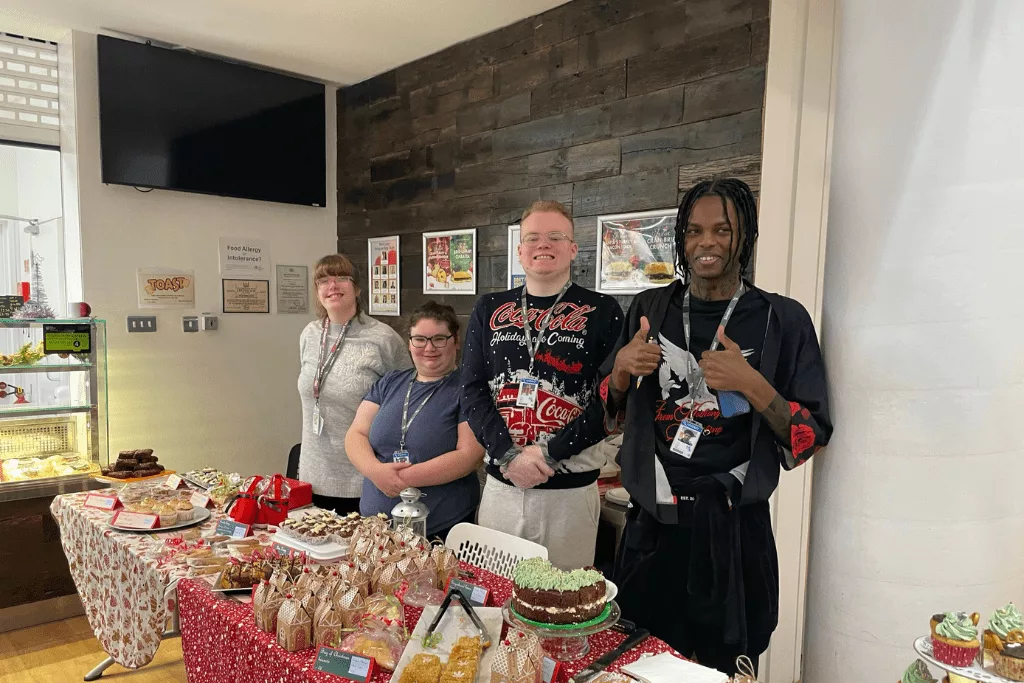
(696, 378)
(406, 420)
(324, 365)
(533, 347)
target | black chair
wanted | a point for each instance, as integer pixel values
(293, 461)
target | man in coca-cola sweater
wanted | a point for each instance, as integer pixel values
(531, 394)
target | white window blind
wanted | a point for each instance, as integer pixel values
(29, 107)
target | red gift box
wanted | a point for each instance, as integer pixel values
(301, 493)
(274, 500)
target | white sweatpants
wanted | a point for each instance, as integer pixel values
(562, 520)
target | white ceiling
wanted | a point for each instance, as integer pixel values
(339, 41)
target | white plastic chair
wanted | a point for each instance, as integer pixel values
(492, 550)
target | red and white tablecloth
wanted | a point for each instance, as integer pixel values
(127, 597)
(220, 641)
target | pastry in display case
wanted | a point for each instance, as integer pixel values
(53, 405)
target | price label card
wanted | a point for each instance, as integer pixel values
(344, 664)
(229, 527)
(174, 482)
(134, 520)
(283, 550)
(200, 500)
(101, 501)
(549, 669)
(477, 595)
(67, 338)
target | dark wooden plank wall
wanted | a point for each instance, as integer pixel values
(605, 105)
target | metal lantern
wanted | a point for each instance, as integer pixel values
(411, 513)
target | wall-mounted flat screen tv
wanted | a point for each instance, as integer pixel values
(175, 120)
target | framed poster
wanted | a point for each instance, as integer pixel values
(245, 296)
(636, 251)
(292, 289)
(385, 294)
(449, 262)
(166, 288)
(516, 274)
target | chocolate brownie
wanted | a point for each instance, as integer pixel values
(142, 457)
(123, 465)
(145, 473)
(121, 474)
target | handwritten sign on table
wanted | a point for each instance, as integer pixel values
(475, 594)
(344, 664)
(101, 501)
(229, 527)
(134, 520)
(173, 482)
(200, 500)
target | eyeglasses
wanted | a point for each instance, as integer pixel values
(534, 238)
(339, 280)
(438, 341)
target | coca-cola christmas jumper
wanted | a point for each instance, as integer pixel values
(568, 413)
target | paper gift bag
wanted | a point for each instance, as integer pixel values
(266, 620)
(294, 626)
(244, 508)
(517, 659)
(330, 628)
(351, 607)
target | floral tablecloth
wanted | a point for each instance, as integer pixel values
(220, 641)
(127, 598)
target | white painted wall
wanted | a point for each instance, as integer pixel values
(225, 399)
(917, 507)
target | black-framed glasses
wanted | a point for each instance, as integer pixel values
(438, 341)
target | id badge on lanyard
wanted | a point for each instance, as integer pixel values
(529, 386)
(690, 430)
(324, 363)
(318, 419)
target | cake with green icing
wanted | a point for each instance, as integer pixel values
(544, 593)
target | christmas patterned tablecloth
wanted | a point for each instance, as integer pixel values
(220, 641)
(127, 596)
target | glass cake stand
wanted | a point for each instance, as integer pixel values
(566, 643)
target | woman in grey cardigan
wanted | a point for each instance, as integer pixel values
(342, 354)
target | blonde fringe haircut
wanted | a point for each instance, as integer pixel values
(548, 206)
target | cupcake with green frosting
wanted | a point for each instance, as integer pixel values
(955, 638)
(917, 673)
(1004, 622)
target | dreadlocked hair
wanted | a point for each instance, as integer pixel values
(728, 190)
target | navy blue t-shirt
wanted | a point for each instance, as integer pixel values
(434, 432)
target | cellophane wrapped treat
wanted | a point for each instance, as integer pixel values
(384, 608)
(517, 659)
(294, 626)
(374, 639)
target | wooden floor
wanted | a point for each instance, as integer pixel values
(64, 651)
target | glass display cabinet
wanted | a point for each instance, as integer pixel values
(53, 406)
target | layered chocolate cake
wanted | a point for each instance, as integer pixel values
(540, 592)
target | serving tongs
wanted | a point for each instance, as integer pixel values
(454, 594)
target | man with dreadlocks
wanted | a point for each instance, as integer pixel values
(715, 384)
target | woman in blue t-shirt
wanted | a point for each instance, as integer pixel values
(432, 448)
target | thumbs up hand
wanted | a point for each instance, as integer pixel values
(639, 358)
(727, 369)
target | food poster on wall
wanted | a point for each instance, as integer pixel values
(637, 251)
(516, 274)
(385, 287)
(166, 288)
(449, 262)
